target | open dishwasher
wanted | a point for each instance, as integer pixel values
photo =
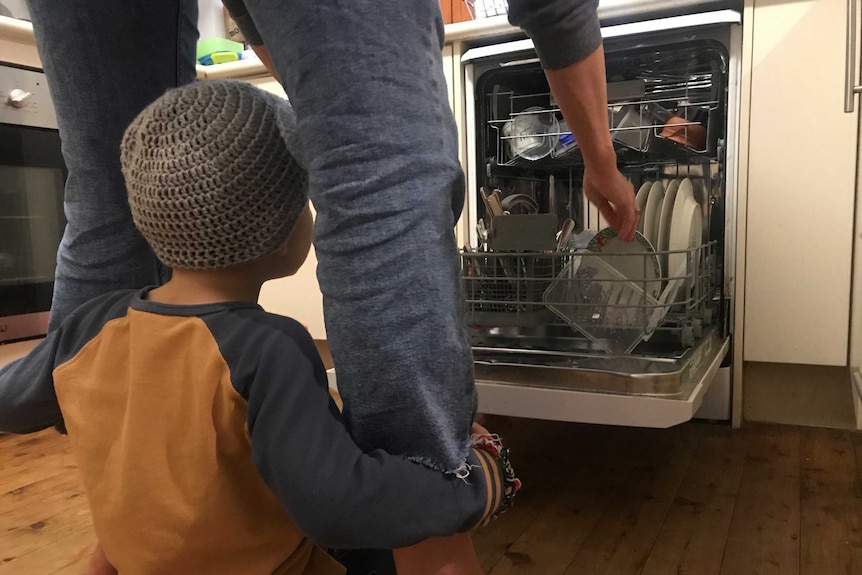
(566, 321)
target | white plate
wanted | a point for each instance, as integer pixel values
(641, 201)
(652, 214)
(665, 222)
(699, 194)
(627, 258)
(686, 230)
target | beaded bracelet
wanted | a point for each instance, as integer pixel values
(492, 445)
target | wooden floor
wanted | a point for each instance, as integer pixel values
(697, 499)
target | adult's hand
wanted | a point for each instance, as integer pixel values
(614, 196)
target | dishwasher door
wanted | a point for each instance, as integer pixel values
(653, 386)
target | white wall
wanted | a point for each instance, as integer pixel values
(210, 19)
(15, 9)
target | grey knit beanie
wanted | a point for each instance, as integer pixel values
(212, 174)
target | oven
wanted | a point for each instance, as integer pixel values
(32, 180)
(566, 321)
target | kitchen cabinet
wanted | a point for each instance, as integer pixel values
(802, 166)
(454, 11)
(449, 65)
(453, 72)
(17, 44)
(856, 304)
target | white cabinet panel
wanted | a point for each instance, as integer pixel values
(453, 72)
(22, 54)
(856, 313)
(297, 296)
(17, 42)
(801, 186)
(449, 73)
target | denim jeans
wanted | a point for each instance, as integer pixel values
(379, 142)
(105, 61)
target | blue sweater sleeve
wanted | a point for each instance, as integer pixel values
(338, 495)
(563, 31)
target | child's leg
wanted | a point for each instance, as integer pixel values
(453, 555)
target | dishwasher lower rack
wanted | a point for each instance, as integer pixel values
(558, 301)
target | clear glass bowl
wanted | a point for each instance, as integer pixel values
(532, 134)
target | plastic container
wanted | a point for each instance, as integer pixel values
(601, 303)
(218, 50)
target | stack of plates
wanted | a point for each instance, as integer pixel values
(672, 221)
(619, 296)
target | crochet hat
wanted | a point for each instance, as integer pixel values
(212, 174)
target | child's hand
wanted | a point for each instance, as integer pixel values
(478, 430)
(483, 439)
(99, 564)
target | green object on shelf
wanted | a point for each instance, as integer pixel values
(209, 48)
(222, 57)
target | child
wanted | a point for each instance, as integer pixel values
(202, 425)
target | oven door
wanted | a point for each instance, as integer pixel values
(32, 180)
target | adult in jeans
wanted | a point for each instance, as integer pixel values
(365, 78)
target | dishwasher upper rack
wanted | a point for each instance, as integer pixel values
(637, 134)
(686, 80)
(508, 290)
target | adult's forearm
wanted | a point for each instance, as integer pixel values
(580, 90)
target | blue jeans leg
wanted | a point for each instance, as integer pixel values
(380, 143)
(105, 61)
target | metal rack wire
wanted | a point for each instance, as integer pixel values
(632, 125)
(529, 290)
(486, 8)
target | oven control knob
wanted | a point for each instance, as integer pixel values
(18, 98)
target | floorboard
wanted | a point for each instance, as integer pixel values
(698, 499)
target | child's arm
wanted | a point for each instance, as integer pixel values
(27, 399)
(338, 495)
(28, 402)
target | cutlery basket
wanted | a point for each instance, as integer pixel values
(505, 289)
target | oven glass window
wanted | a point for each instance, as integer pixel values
(31, 221)
(32, 182)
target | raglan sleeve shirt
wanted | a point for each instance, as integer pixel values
(340, 496)
(336, 494)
